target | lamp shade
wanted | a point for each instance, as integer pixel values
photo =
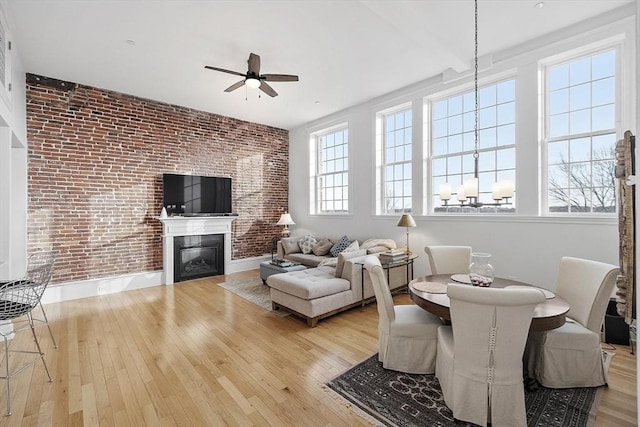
(285, 219)
(406, 220)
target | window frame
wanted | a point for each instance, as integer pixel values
(544, 66)
(433, 205)
(316, 175)
(381, 159)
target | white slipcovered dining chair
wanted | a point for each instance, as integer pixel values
(448, 259)
(479, 363)
(407, 334)
(571, 356)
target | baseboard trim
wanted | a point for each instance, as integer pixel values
(245, 264)
(103, 286)
(111, 285)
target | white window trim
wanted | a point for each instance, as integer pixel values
(314, 209)
(379, 154)
(522, 63)
(615, 43)
(428, 101)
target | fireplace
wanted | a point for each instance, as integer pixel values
(193, 230)
(198, 256)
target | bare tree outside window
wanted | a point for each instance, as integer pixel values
(581, 134)
(585, 187)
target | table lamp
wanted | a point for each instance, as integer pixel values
(406, 220)
(285, 219)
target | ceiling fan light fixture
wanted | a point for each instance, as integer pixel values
(253, 83)
(253, 79)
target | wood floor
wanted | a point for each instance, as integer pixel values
(196, 354)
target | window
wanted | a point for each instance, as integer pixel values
(394, 161)
(330, 171)
(453, 139)
(581, 134)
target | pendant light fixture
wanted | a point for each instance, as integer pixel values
(468, 193)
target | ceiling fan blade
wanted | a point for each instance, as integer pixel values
(279, 77)
(254, 64)
(235, 86)
(268, 89)
(223, 70)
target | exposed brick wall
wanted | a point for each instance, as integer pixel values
(96, 160)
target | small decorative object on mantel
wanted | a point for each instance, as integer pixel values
(480, 271)
(163, 212)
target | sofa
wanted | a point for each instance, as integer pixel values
(331, 284)
(312, 251)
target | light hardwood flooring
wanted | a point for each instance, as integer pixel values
(196, 354)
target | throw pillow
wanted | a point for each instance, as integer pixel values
(290, 245)
(340, 245)
(307, 243)
(322, 247)
(328, 262)
(344, 256)
(354, 246)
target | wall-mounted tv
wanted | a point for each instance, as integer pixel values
(193, 195)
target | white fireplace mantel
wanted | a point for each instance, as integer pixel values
(175, 226)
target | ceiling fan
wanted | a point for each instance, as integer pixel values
(254, 79)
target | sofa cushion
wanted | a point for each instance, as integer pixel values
(342, 244)
(329, 261)
(307, 243)
(310, 283)
(322, 247)
(345, 255)
(310, 260)
(290, 245)
(353, 246)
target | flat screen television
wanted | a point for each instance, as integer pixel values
(194, 195)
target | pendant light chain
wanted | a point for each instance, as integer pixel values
(475, 152)
(468, 193)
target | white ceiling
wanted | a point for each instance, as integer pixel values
(345, 51)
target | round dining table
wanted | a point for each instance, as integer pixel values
(547, 315)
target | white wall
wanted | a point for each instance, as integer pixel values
(524, 246)
(13, 166)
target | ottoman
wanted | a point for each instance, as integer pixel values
(312, 294)
(267, 269)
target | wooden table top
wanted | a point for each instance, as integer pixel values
(547, 315)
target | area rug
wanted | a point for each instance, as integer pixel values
(253, 290)
(397, 399)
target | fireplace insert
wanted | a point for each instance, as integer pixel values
(197, 256)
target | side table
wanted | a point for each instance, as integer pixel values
(387, 266)
(267, 269)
